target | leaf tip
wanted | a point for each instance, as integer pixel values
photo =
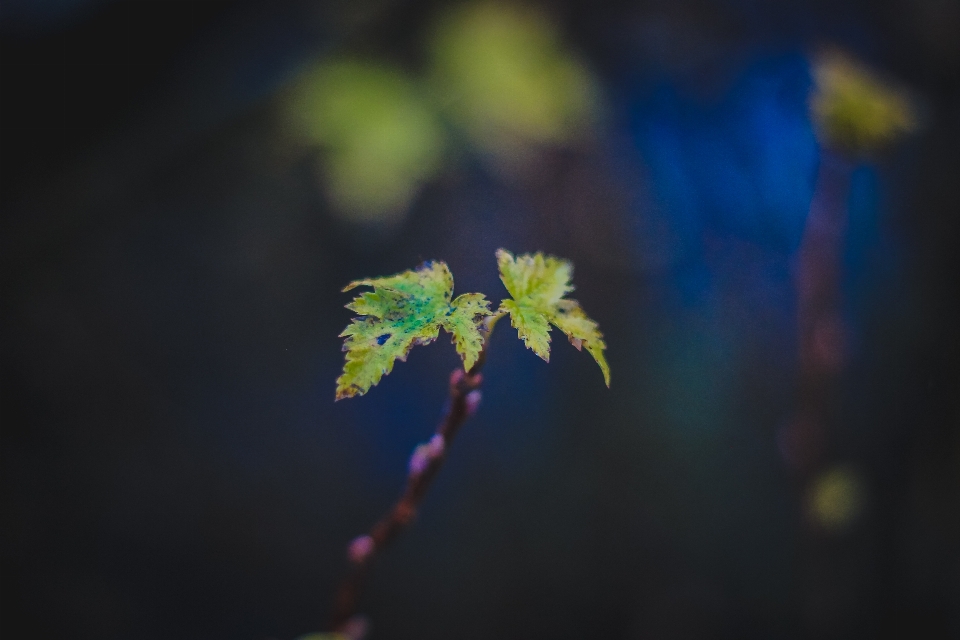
(597, 354)
(346, 390)
(354, 284)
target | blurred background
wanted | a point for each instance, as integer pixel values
(186, 186)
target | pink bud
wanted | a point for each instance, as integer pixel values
(360, 549)
(473, 401)
(437, 445)
(356, 628)
(419, 460)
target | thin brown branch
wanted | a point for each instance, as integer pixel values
(425, 462)
(822, 335)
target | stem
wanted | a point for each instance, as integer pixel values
(425, 461)
(821, 332)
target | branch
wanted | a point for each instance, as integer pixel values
(425, 462)
(821, 334)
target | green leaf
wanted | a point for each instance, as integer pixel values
(855, 110)
(532, 326)
(403, 311)
(537, 284)
(461, 322)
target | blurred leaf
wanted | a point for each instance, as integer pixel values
(853, 109)
(537, 285)
(380, 140)
(403, 311)
(502, 74)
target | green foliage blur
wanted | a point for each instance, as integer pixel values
(505, 79)
(499, 83)
(854, 111)
(380, 141)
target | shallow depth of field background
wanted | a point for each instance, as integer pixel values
(187, 186)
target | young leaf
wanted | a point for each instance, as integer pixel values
(401, 312)
(537, 284)
(855, 110)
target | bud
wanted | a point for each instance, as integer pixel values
(473, 402)
(360, 549)
(437, 445)
(419, 459)
(356, 628)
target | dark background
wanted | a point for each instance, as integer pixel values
(173, 463)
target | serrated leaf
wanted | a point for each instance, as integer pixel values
(535, 279)
(537, 284)
(403, 311)
(532, 326)
(460, 321)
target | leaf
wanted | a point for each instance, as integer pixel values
(461, 322)
(403, 311)
(537, 284)
(855, 110)
(532, 326)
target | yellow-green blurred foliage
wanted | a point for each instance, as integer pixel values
(853, 110)
(504, 78)
(498, 74)
(380, 141)
(836, 498)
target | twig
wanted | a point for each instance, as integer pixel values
(821, 333)
(426, 460)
